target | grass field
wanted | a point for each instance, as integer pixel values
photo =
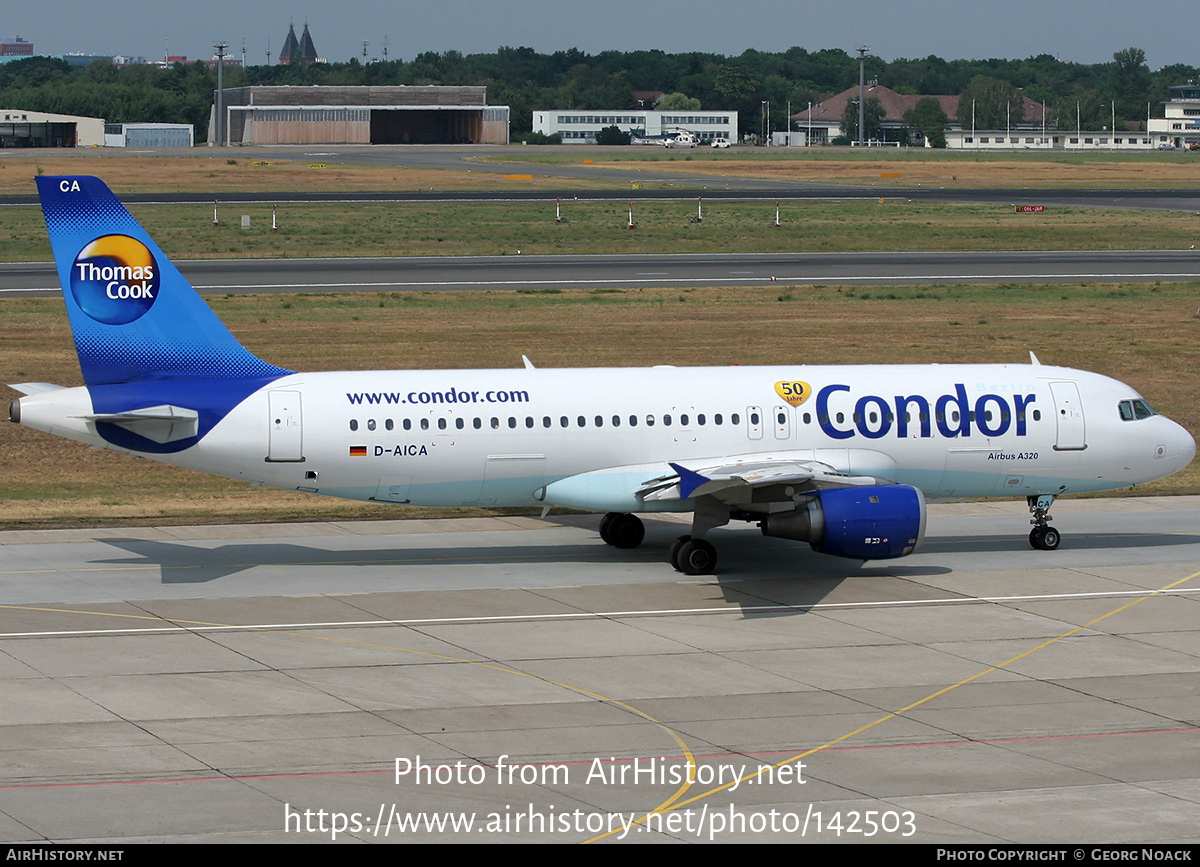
(1144, 334)
(462, 228)
(1152, 170)
(233, 172)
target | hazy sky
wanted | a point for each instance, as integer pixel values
(1086, 31)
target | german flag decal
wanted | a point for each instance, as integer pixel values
(358, 451)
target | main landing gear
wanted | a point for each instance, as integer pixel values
(1042, 536)
(693, 556)
(690, 554)
(621, 530)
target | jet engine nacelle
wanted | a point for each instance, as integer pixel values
(879, 522)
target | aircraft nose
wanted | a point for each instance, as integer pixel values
(1187, 447)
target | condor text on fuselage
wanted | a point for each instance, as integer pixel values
(954, 414)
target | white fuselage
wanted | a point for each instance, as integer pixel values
(500, 437)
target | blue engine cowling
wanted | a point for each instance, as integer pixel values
(879, 522)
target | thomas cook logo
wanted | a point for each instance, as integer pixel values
(115, 279)
(795, 393)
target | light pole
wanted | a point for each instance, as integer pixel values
(862, 90)
(220, 49)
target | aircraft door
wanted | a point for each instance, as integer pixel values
(1068, 414)
(285, 438)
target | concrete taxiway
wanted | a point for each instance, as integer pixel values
(261, 683)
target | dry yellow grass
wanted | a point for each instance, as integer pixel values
(153, 174)
(949, 173)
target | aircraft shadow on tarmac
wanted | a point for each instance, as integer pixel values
(765, 577)
(749, 557)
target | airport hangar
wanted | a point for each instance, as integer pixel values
(20, 128)
(400, 114)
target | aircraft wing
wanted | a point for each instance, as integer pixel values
(741, 482)
(735, 480)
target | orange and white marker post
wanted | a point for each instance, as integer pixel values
(632, 224)
(777, 223)
(214, 212)
(274, 224)
(558, 210)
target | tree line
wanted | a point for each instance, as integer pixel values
(525, 80)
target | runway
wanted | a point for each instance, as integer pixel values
(418, 273)
(259, 683)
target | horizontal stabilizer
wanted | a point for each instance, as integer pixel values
(35, 387)
(162, 424)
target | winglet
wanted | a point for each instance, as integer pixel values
(688, 480)
(1033, 359)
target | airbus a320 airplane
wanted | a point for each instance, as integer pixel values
(839, 457)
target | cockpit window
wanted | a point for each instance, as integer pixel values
(1132, 410)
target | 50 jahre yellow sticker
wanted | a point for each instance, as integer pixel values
(795, 393)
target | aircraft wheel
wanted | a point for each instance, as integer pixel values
(696, 557)
(606, 526)
(626, 531)
(673, 554)
(1044, 538)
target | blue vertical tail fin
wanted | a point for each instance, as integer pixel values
(134, 316)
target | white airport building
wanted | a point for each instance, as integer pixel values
(581, 126)
(1181, 126)
(1178, 129)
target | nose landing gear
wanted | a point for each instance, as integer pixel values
(1042, 537)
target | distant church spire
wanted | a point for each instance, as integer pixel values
(300, 50)
(289, 46)
(308, 52)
